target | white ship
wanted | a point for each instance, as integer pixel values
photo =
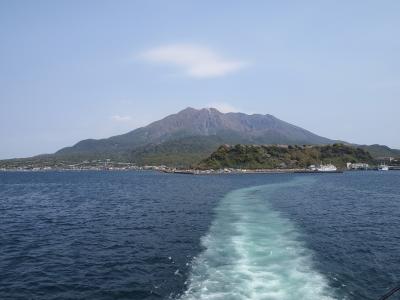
(326, 168)
(383, 167)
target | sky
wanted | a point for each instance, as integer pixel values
(71, 70)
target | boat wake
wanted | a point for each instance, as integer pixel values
(253, 252)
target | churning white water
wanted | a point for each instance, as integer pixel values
(253, 252)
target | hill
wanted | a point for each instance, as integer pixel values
(269, 157)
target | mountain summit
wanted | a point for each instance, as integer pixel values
(206, 122)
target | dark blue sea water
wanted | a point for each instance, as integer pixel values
(144, 235)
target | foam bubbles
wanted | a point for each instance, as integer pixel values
(252, 252)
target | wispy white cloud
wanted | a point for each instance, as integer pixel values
(119, 118)
(223, 107)
(195, 61)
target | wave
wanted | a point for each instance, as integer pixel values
(253, 252)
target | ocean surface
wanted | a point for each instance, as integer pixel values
(146, 235)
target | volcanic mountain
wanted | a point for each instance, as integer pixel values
(195, 132)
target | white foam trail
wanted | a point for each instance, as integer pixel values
(252, 252)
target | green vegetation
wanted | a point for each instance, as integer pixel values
(269, 157)
(187, 152)
(379, 151)
(183, 152)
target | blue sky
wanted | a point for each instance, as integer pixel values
(71, 70)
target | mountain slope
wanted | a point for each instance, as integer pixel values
(380, 150)
(190, 122)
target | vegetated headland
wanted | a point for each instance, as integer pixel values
(284, 156)
(288, 158)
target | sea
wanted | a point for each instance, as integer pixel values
(148, 235)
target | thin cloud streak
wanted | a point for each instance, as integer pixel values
(119, 118)
(195, 61)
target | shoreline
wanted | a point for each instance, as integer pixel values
(246, 171)
(167, 170)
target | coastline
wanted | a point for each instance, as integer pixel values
(168, 170)
(246, 171)
(187, 171)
